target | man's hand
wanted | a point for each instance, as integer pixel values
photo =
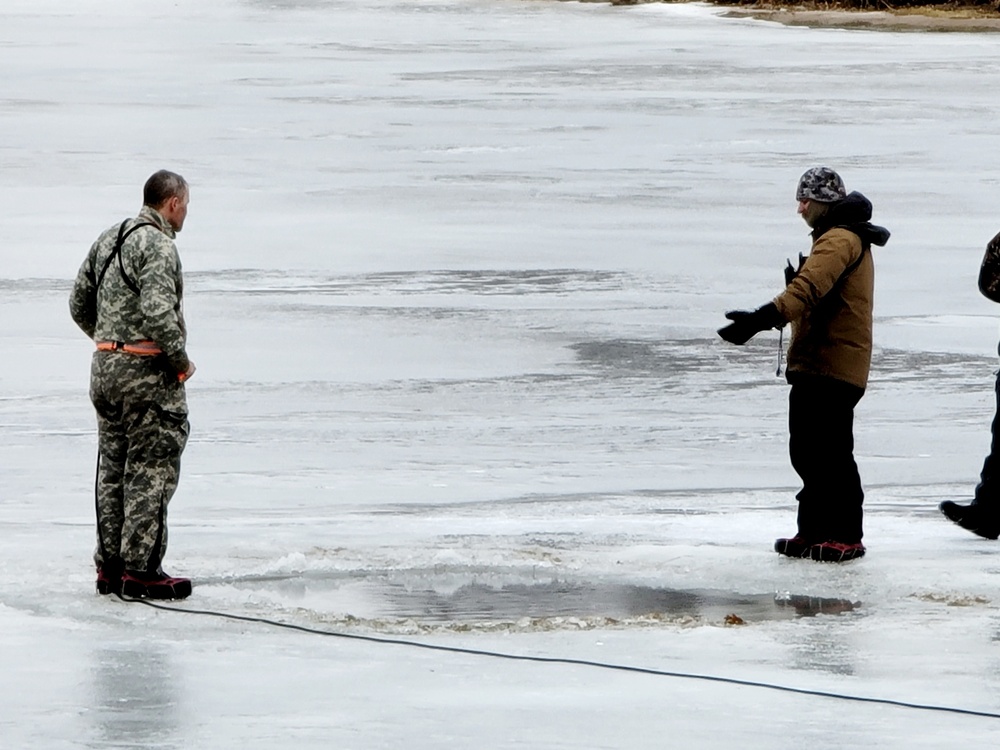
(186, 375)
(748, 324)
(741, 330)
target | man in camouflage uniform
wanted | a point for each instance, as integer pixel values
(128, 298)
(982, 515)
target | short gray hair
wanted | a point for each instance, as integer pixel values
(161, 187)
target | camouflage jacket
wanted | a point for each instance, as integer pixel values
(989, 271)
(113, 311)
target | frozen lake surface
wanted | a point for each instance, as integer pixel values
(453, 272)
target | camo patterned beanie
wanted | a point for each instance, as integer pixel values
(821, 184)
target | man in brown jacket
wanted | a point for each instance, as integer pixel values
(828, 301)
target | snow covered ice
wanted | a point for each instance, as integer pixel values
(453, 274)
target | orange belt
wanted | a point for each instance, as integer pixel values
(142, 348)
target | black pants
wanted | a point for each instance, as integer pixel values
(821, 445)
(988, 489)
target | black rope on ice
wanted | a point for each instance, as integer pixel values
(570, 662)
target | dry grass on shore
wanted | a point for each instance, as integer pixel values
(933, 10)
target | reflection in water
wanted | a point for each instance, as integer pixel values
(478, 601)
(815, 605)
(135, 698)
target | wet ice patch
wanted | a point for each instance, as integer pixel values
(415, 601)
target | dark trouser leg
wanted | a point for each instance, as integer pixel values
(988, 490)
(821, 447)
(156, 441)
(109, 499)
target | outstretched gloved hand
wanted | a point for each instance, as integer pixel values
(747, 324)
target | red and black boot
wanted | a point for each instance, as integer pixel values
(796, 546)
(834, 551)
(157, 585)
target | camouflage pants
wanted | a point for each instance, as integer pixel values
(142, 430)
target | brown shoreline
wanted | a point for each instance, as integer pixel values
(936, 18)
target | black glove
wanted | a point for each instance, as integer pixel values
(161, 364)
(748, 324)
(791, 273)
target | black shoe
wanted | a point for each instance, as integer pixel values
(158, 585)
(794, 547)
(109, 576)
(971, 518)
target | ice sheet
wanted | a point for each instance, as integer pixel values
(453, 272)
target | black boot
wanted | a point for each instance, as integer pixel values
(972, 518)
(109, 576)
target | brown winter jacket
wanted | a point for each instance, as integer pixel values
(829, 302)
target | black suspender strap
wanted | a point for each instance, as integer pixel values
(854, 266)
(119, 243)
(112, 254)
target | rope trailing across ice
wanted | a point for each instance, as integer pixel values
(569, 662)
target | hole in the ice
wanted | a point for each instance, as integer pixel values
(433, 598)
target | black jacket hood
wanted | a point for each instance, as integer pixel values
(852, 213)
